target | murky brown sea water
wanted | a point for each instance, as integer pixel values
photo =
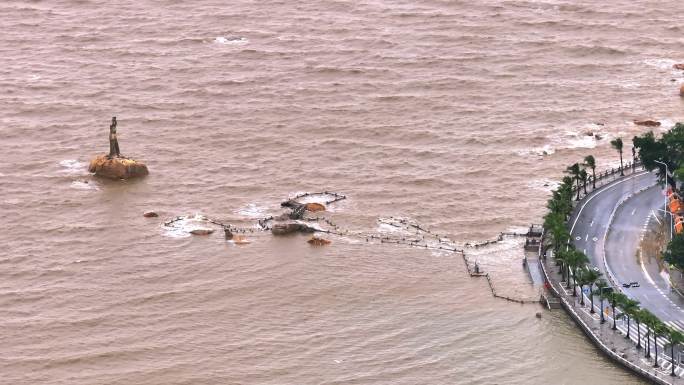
(440, 111)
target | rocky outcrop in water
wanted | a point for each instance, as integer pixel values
(647, 123)
(679, 66)
(117, 168)
(285, 228)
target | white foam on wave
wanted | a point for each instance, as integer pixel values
(441, 253)
(580, 140)
(231, 40)
(666, 124)
(252, 210)
(537, 151)
(583, 137)
(661, 63)
(570, 138)
(73, 167)
(629, 85)
(182, 227)
(387, 228)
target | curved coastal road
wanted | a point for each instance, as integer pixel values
(615, 249)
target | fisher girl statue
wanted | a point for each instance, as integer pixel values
(113, 143)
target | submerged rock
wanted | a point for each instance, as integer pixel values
(647, 123)
(315, 241)
(201, 231)
(240, 240)
(681, 90)
(150, 214)
(291, 228)
(679, 66)
(117, 168)
(314, 207)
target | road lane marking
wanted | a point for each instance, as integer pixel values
(674, 325)
(644, 228)
(579, 213)
(633, 211)
(656, 217)
(591, 223)
(586, 238)
(610, 187)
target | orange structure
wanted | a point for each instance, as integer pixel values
(676, 206)
(679, 224)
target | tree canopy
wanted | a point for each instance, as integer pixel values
(668, 149)
(674, 254)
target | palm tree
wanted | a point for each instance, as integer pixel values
(604, 292)
(583, 177)
(561, 202)
(590, 278)
(590, 162)
(658, 328)
(638, 317)
(631, 310)
(576, 260)
(617, 144)
(649, 320)
(593, 279)
(675, 338)
(562, 259)
(618, 299)
(555, 225)
(581, 278)
(574, 170)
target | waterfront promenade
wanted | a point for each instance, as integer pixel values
(607, 225)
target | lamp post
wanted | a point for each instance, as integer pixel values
(665, 189)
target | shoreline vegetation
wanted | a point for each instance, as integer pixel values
(574, 268)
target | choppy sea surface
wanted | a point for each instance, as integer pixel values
(459, 115)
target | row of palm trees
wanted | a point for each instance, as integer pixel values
(630, 310)
(579, 173)
(575, 271)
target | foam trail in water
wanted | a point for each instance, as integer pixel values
(252, 210)
(73, 167)
(231, 40)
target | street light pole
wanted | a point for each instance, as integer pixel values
(665, 189)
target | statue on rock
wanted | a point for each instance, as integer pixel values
(114, 165)
(113, 143)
